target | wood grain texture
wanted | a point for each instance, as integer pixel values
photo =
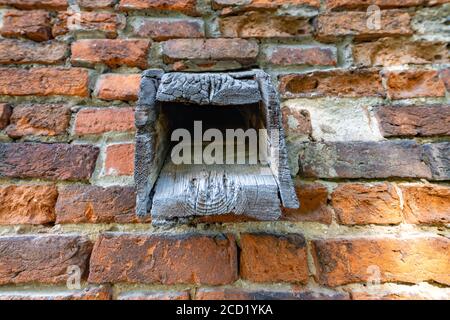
(202, 190)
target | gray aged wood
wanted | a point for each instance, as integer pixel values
(208, 88)
(169, 191)
(202, 190)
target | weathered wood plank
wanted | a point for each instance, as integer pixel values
(201, 190)
(208, 88)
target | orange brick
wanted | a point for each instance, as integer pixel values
(118, 87)
(359, 204)
(119, 160)
(44, 82)
(274, 258)
(410, 260)
(103, 120)
(414, 84)
(34, 25)
(112, 53)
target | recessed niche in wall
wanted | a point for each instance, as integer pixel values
(210, 144)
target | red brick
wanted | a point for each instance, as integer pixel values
(41, 259)
(96, 4)
(5, 114)
(118, 87)
(414, 84)
(119, 160)
(44, 82)
(445, 76)
(24, 52)
(426, 204)
(418, 121)
(47, 161)
(165, 29)
(34, 25)
(330, 26)
(273, 258)
(358, 83)
(359, 204)
(262, 4)
(93, 204)
(103, 120)
(245, 294)
(387, 159)
(263, 25)
(39, 120)
(296, 123)
(107, 23)
(364, 4)
(243, 51)
(180, 259)
(155, 295)
(27, 204)
(409, 260)
(391, 51)
(36, 4)
(385, 295)
(90, 293)
(288, 56)
(313, 204)
(186, 7)
(112, 53)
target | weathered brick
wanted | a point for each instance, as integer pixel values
(386, 295)
(34, 25)
(273, 258)
(206, 50)
(96, 4)
(410, 260)
(39, 120)
(47, 161)
(246, 294)
(119, 160)
(107, 23)
(403, 159)
(437, 156)
(330, 26)
(21, 52)
(182, 259)
(313, 204)
(262, 4)
(391, 52)
(445, 76)
(36, 4)
(165, 29)
(118, 87)
(360, 204)
(364, 4)
(103, 120)
(93, 204)
(426, 204)
(357, 83)
(43, 259)
(186, 7)
(155, 295)
(263, 25)
(27, 204)
(112, 53)
(414, 84)
(44, 82)
(296, 122)
(90, 293)
(290, 55)
(5, 114)
(419, 121)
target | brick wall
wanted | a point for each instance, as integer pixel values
(367, 119)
